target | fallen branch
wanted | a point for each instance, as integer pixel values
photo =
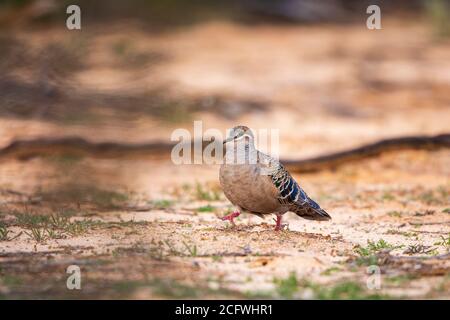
(334, 160)
(27, 149)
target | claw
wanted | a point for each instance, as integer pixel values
(279, 226)
(230, 217)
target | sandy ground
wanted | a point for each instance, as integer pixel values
(174, 245)
(149, 229)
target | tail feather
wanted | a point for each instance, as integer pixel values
(310, 210)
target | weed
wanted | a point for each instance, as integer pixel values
(4, 233)
(52, 234)
(30, 220)
(438, 196)
(37, 234)
(400, 279)
(445, 242)
(207, 208)
(59, 221)
(347, 290)
(388, 196)
(286, 288)
(396, 214)
(418, 248)
(403, 233)
(374, 247)
(330, 271)
(208, 195)
(191, 249)
(368, 254)
(162, 204)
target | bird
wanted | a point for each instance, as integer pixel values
(258, 184)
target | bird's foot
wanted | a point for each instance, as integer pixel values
(279, 226)
(230, 217)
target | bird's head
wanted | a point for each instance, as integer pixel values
(238, 133)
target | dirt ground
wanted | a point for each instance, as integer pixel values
(142, 228)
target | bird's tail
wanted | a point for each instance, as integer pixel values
(311, 210)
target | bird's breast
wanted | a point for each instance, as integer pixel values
(244, 186)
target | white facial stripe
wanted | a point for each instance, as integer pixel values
(244, 135)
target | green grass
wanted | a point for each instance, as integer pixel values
(444, 242)
(85, 194)
(191, 249)
(207, 208)
(162, 204)
(169, 288)
(396, 214)
(437, 196)
(37, 234)
(4, 233)
(31, 220)
(349, 290)
(286, 288)
(400, 279)
(438, 16)
(368, 254)
(388, 196)
(374, 247)
(208, 195)
(403, 233)
(54, 226)
(330, 271)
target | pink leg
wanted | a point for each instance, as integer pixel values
(278, 226)
(231, 217)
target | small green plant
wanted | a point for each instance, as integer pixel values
(419, 248)
(330, 271)
(348, 290)
(78, 227)
(438, 16)
(368, 254)
(162, 204)
(396, 214)
(53, 234)
(208, 195)
(207, 208)
(286, 288)
(445, 242)
(37, 234)
(191, 249)
(4, 233)
(403, 233)
(373, 247)
(388, 196)
(59, 221)
(30, 220)
(400, 279)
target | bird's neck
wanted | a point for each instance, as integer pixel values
(241, 153)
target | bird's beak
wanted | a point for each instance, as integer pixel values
(228, 140)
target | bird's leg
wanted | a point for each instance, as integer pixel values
(231, 217)
(279, 226)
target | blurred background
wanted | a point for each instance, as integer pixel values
(137, 70)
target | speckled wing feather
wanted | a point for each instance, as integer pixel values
(290, 193)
